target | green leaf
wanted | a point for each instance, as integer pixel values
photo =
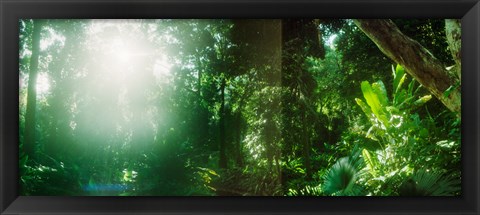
(371, 97)
(406, 101)
(410, 87)
(392, 110)
(213, 172)
(341, 179)
(364, 107)
(370, 161)
(374, 102)
(399, 97)
(427, 183)
(379, 89)
(450, 89)
(398, 78)
(421, 101)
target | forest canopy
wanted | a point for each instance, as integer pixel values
(260, 107)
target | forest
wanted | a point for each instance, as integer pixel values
(240, 107)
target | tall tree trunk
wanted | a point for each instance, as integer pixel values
(238, 139)
(54, 146)
(29, 137)
(300, 37)
(453, 32)
(416, 59)
(223, 157)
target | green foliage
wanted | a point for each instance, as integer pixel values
(306, 191)
(404, 138)
(56, 178)
(428, 183)
(371, 162)
(229, 107)
(248, 181)
(342, 178)
(203, 180)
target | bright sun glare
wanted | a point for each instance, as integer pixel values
(43, 84)
(123, 48)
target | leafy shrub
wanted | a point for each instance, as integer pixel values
(407, 144)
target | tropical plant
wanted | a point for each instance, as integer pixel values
(404, 140)
(342, 178)
(429, 183)
(228, 107)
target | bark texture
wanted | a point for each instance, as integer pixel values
(29, 137)
(453, 32)
(416, 59)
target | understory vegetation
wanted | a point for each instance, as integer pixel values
(291, 107)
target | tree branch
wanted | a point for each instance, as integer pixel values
(416, 59)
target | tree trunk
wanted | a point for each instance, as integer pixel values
(238, 139)
(454, 39)
(223, 157)
(54, 145)
(416, 59)
(29, 137)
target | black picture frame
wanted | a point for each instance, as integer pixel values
(13, 10)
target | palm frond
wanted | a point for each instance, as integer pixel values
(428, 183)
(341, 178)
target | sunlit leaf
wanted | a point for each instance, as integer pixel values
(379, 89)
(398, 78)
(364, 107)
(421, 101)
(371, 97)
(446, 144)
(374, 102)
(371, 162)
